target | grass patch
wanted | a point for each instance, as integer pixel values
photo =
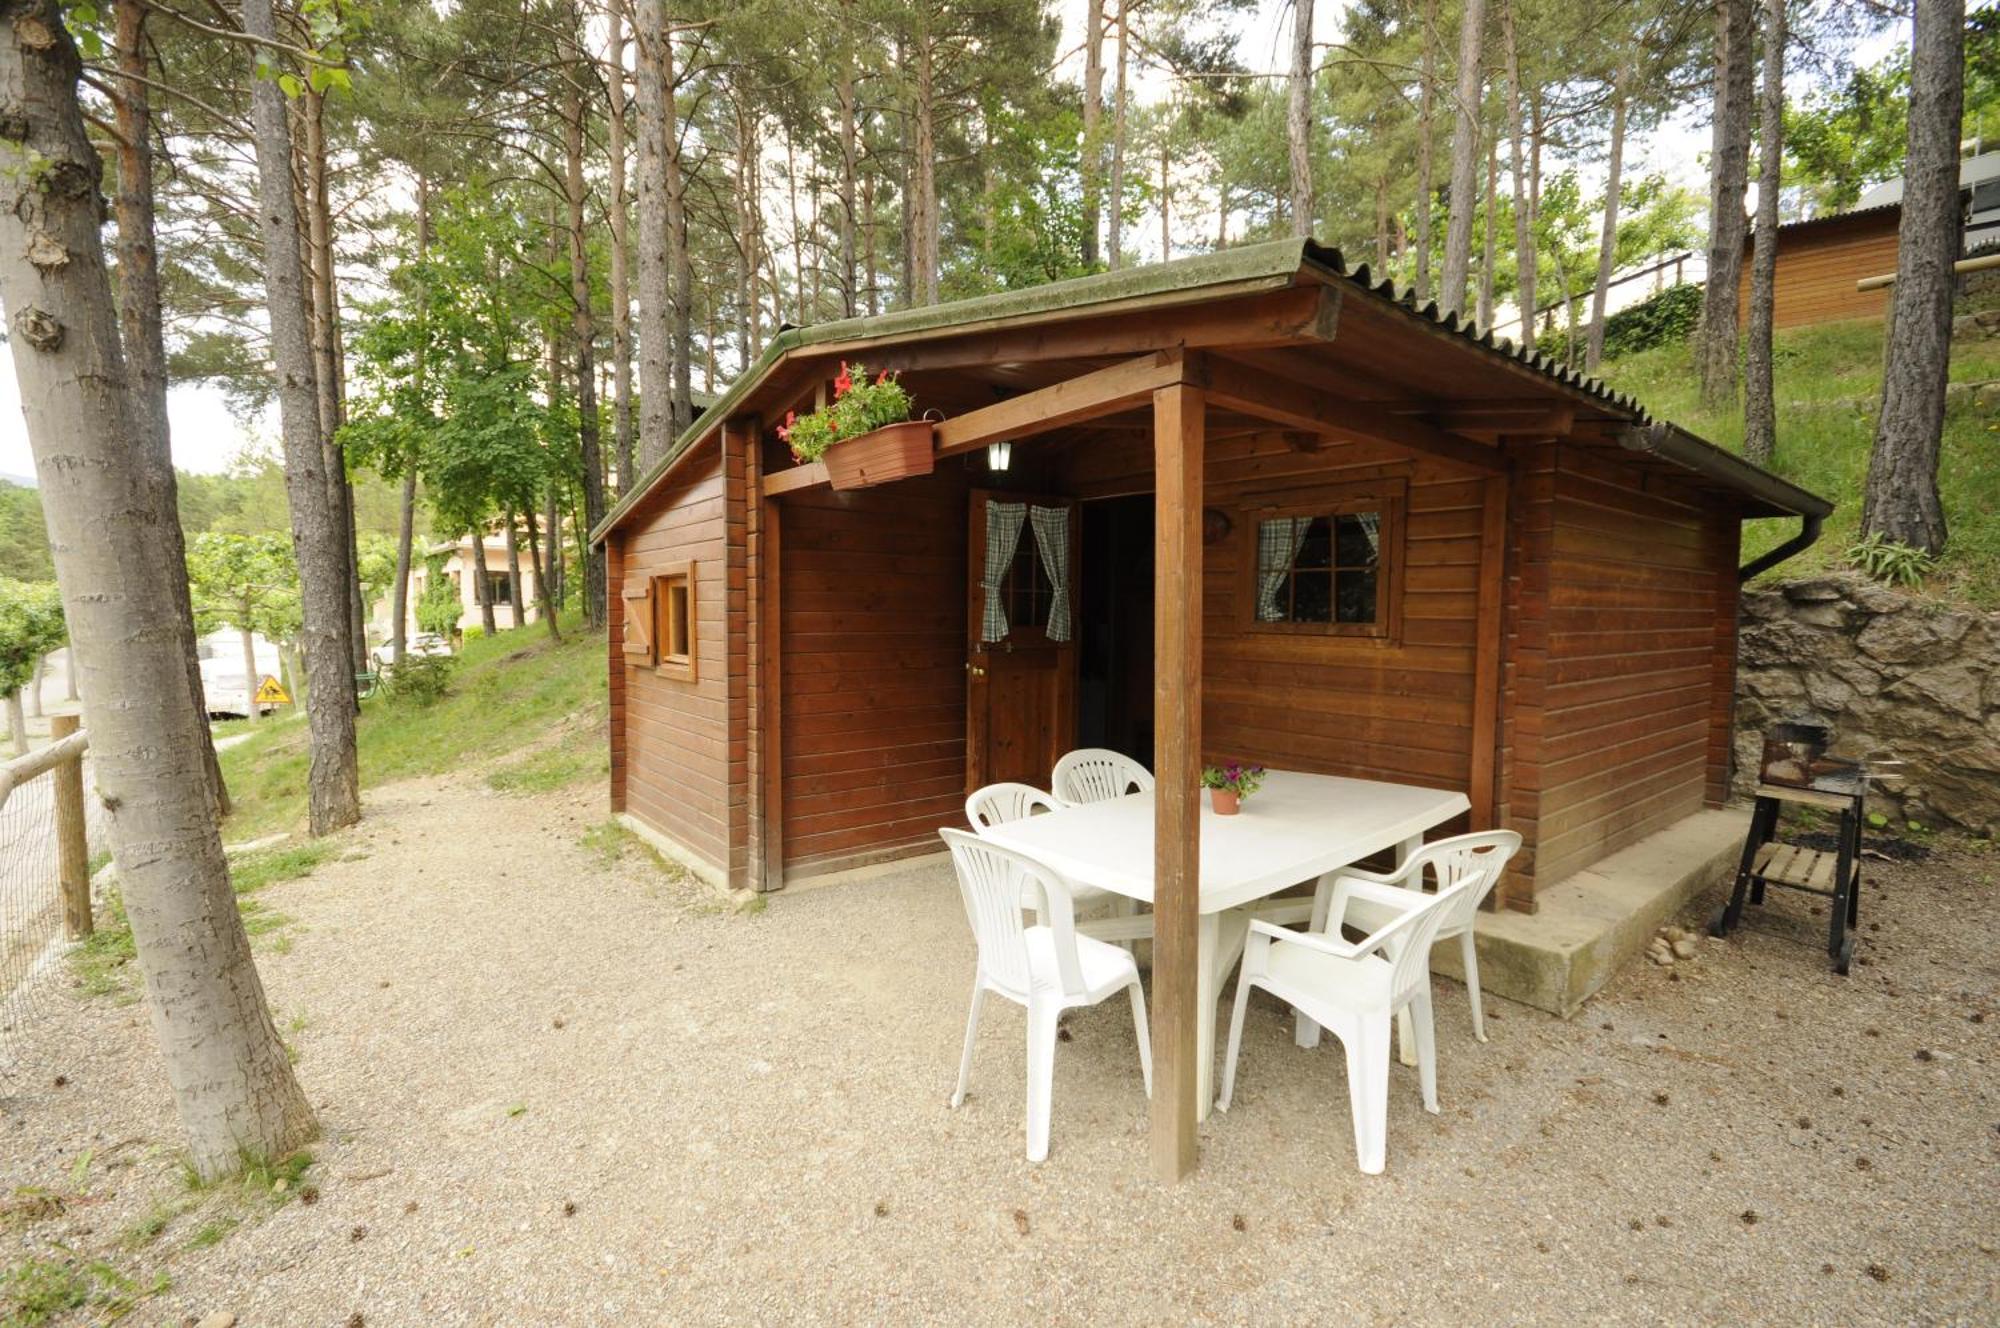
(251, 872)
(102, 962)
(508, 691)
(1829, 387)
(36, 1291)
(557, 767)
(212, 1232)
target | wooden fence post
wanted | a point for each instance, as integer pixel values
(72, 845)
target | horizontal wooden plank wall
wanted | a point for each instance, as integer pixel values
(614, 573)
(1817, 270)
(872, 591)
(1618, 730)
(1338, 705)
(678, 757)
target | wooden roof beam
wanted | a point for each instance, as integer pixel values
(1072, 401)
(1281, 400)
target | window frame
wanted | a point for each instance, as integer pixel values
(680, 664)
(1388, 495)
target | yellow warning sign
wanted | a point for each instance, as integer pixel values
(272, 692)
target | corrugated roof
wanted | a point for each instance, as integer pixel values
(1272, 264)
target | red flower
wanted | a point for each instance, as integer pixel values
(881, 378)
(845, 383)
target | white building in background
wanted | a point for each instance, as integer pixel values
(513, 605)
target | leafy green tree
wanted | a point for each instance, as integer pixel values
(24, 539)
(31, 625)
(438, 606)
(251, 583)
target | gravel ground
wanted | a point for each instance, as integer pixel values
(558, 1089)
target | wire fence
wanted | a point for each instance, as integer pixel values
(49, 818)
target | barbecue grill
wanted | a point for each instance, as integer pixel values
(1797, 768)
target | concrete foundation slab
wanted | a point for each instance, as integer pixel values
(1586, 927)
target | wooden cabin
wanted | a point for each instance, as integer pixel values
(1819, 262)
(1256, 506)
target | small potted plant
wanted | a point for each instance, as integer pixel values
(1228, 784)
(865, 434)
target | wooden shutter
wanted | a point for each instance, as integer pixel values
(638, 597)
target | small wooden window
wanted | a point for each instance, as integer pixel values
(638, 600)
(1328, 561)
(677, 628)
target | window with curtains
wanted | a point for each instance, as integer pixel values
(1328, 561)
(1025, 579)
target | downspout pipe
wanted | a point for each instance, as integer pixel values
(1809, 528)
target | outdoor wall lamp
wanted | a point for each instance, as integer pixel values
(998, 455)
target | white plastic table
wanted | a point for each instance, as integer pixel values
(1295, 829)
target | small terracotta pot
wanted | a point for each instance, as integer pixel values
(1227, 802)
(892, 452)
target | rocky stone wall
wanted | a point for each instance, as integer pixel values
(1891, 674)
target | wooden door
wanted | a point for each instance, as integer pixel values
(1020, 692)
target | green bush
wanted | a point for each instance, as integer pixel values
(474, 632)
(1659, 320)
(420, 679)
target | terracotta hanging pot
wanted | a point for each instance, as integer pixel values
(1227, 802)
(892, 452)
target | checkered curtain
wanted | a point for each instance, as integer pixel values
(1371, 526)
(1052, 539)
(1279, 540)
(1003, 536)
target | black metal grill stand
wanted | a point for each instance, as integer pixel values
(1768, 860)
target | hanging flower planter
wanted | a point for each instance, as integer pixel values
(864, 435)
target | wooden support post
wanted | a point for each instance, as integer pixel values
(1177, 587)
(1486, 653)
(770, 696)
(72, 845)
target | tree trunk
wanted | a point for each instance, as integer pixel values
(250, 678)
(327, 374)
(680, 325)
(1607, 242)
(622, 430)
(868, 233)
(34, 687)
(482, 585)
(1901, 500)
(17, 723)
(923, 164)
(1524, 233)
(406, 531)
(850, 170)
(1114, 248)
(232, 1083)
(141, 323)
(1487, 239)
(1729, 167)
(583, 331)
(746, 228)
(558, 583)
(1760, 407)
(656, 391)
(543, 575)
(1093, 116)
(516, 606)
(1464, 159)
(1426, 117)
(69, 687)
(318, 534)
(1166, 207)
(1299, 118)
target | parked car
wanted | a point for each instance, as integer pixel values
(423, 643)
(225, 693)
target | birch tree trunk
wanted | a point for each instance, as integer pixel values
(1901, 500)
(1115, 245)
(232, 1083)
(1298, 118)
(1524, 226)
(250, 679)
(1760, 406)
(1464, 159)
(1426, 115)
(33, 691)
(318, 538)
(515, 605)
(621, 246)
(1729, 167)
(140, 324)
(482, 584)
(656, 391)
(1093, 115)
(583, 331)
(1607, 242)
(17, 723)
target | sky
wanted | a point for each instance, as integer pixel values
(207, 438)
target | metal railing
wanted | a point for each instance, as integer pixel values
(46, 828)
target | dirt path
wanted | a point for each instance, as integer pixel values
(559, 1089)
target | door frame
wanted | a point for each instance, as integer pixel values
(975, 611)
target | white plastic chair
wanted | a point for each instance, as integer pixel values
(997, 804)
(1047, 969)
(1352, 990)
(1092, 774)
(1476, 860)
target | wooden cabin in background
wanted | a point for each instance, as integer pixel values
(1364, 540)
(1820, 260)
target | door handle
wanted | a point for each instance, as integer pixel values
(975, 670)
